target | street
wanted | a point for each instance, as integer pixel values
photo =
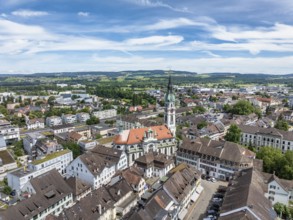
(198, 210)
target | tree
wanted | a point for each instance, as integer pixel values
(233, 134)
(272, 159)
(199, 110)
(73, 147)
(51, 100)
(242, 107)
(18, 148)
(202, 124)
(7, 190)
(282, 125)
(93, 120)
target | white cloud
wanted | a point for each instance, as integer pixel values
(153, 3)
(177, 22)
(29, 13)
(3, 15)
(83, 14)
(59, 63)
(157, 40)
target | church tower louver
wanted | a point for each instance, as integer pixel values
(170, 119)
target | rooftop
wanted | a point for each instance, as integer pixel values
(51, 156)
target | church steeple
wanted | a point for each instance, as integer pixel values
(170, 119)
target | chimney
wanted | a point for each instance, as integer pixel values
(100, 209)
(119, 192)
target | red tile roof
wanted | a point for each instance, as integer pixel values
(135, 136)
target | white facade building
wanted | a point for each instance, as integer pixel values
(92, 169)
(82, 117)
(10, 133)
(110, 113)
(69, 119)
(219, 159)
(36, 123)
(53, 121)
(272, 137)
(58, 160)
(279, 190)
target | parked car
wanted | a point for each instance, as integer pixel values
(213, 180)
(211, 212)
(217, 199)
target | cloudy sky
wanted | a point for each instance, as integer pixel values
(247, 36)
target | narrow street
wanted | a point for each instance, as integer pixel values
(198, 210)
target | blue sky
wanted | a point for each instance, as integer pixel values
(246, 36)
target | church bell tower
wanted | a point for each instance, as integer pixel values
(170, 119)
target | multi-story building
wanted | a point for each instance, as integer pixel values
(278, 190)
(49, 194)
(272, 137)
(244, 198)
(82, 117)
(92, 168)
(10, 133)
(45, 147)
(29, 142)
(35, 123)
(63, 128)
(172, 197)
(154, 164)
(220, 159)
(58, 160)
(7, 163)
(53, 121)
(69, 119)
(110, 113)
(139, 141)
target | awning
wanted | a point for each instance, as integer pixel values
(182, 214)
(194, 196)
(199, 189)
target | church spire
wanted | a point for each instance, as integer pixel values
(170, 85)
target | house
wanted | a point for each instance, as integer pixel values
(48, 194)
(278, 190)
(29, 142)
(219, 159)
(272, 137)
(134, 177)
(7, 163)
(85, 131)
(117, 156)
(92, 169)
(75, 137)
(45, 147)
(10, 133)
(82, 117)
(87, 144)
(35, 123)
(53, 121)
(244, 198)
(171, 199)
(288, 115)
(63, 128)
(154, 164)
(110, 113)
(111, 202)
(58, 160)
(79, 188)
(69, 118)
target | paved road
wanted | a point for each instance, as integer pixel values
(198, 210)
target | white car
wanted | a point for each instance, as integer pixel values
(213, 180)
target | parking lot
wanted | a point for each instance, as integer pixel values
(198, 210)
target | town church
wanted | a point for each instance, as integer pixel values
(162, 139)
